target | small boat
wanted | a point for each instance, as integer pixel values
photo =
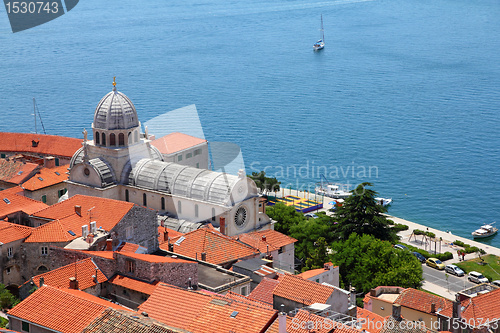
(332, 190)
(383, 201)
(320, 44)
(486, 230)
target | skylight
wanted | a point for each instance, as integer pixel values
(40, 178)
(234, 314)
(57, 173)
(7, 201)
(71, 233)
(20, 172)
(180, 240)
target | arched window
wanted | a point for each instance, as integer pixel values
(162, 203)
(213, 214)
(126, 196)
(144, 199)
(103, 139)
(42, 269)
(195, 210)
(136, 136)
(112, 139)
(97, 138)
(179, 208)
(121, 139)
(129, 138)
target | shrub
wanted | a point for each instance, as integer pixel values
(468, 248)
(399, 227)
(444, 256)
(441, 256)
(427, 233)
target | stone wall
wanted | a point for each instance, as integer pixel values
(51, 193)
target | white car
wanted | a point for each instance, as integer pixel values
(477, 277)
(455, 270)
(311, 215)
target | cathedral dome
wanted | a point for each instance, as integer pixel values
(115, 111)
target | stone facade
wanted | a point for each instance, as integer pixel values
(52, 194)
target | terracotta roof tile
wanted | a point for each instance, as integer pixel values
(84, 270)
(241, 298)
(206, 313)
(46, 177)
(482, 307)
(113, 321)
(264, 291)
(175, 142)
(263, 238)
(370, 321)
(63, 310)
(106, 212)
(171, 233)
(101, 254)
(153, 258)
(421, 300)
(299, 324)
(129, 247)
(11, 203)
(47, 144)
(16, 172)
(220, 249)
(313, 272)
(403, 326)
(302, 291)
(133, 284)
(10, 232)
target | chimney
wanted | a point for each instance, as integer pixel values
(171, 247)
(353, 296)
(109, 244)
(457, 310)
(373, 293)
(433, 307)
(223, 225)
(145, 314)
(49, 162)
(34, 143)
(190, 284)
(264, 238)
(162, 223)
(165, 236)
(41, 281)
(203, 256)
(396, 312)
(73, 283)
(78, 210)
(282, 320)
(95, 276)
(326, 266)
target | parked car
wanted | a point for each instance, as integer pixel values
(420, 257)
(496, 283)
(311, 216)
(455, 270)
(434, 263)
(400, 247)
(477, 277)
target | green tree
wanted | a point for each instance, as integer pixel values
(265, 184)
(7, 300)
(361, 214)
(319, 255)
(366, 262)
(285, 216)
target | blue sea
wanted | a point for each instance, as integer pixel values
(406, 93)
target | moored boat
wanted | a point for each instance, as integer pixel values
(486, 230)
(320, 44)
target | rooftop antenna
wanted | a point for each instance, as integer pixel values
(35, 110)
(90, 214)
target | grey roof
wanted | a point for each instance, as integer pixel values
(104, 170)
(115, 111)
(181, 180)
(181, 225)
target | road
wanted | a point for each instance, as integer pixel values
(437, 277)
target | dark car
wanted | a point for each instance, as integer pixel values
(420, 257)
(400, 247)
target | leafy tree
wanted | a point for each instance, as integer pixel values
(265, 184)
(361, 214)
(319, 255)
(366, 262)
(286, 217)
(7, 300)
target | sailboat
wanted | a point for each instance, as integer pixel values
(320, 44)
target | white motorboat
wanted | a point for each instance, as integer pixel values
(486, 230)
(333, 190)
(320, 44)
(383, 201)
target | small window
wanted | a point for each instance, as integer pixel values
(189, 155)
(144, 199)
(60, 193)
(10, 252)
(2, 155)
(121, 139)
(130, 266)
(126, 196)
(213, 214)
(7, 270)
(97, 138)
(44, 198)
(57, 161)
(197, 152)
(244, 291)
(197, 165)
(44, 250)
(103, 139)
(129, 232)
(280, 251)
(42, 269)
(25, 326)
(179, 158)
(162, 203)
(195, 210)
(112, 139)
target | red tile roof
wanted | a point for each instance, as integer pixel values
(313, 272)
(153, 258)
(206, 313)
(241, 298)
(175, 142)
(12, 203)
(129, 247)
(264, 291)
(101, 254)
(480, 308)
(106, 212)
(83, 270)
(10, 232)
(171, 233)
(46, 177)
(47, 144)
(16, 172)
(220, 249)
(264, 238)
(370, 321)
(302, 291)
(133, 284)
(299, 324)
(62, 310)
(421, 301)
